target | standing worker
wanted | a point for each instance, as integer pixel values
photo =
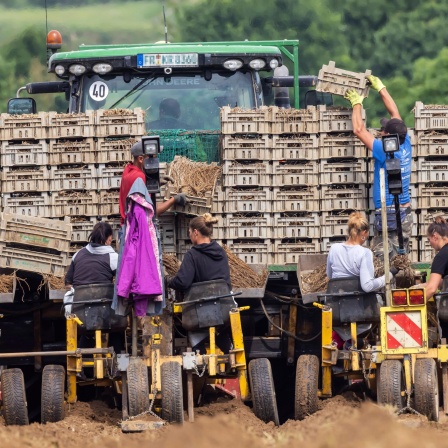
(134, 171)
(394, 125)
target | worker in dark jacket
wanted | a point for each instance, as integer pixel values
(95, 263)
(205, 261)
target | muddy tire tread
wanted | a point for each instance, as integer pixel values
(306, 388)
(172, 392)
(14, 397)
(263, 391)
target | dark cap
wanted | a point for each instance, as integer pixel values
(137, 149)
(394, 126)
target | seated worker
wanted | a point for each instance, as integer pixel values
(351, 259)
(205, 261)
(437, 234)
(95, 263)
(169, 114)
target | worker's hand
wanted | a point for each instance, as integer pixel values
(181, 199)
(165, 179)
(375, 83)
(354, 97)
(394, 271)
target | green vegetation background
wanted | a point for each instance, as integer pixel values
(405, 43)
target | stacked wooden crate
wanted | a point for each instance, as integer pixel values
(67, 165)
(430, 170)
(287, 175)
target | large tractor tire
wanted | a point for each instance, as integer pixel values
(14, 397)
(307, 383)
(172, 392)
(263, 391)
(138, 387)
(391, 384)
(52, 397)
(426, 388)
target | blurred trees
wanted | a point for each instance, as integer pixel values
(402, 42)
(310, 22)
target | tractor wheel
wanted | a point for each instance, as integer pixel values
(391, 384)
(263, 392)
(426, 388)
(14, 398)
(172, 392)
(138, 387)
(52, 399)
(307, 383)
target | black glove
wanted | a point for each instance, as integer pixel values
(394, 271)
(181, 199)
(165, 179)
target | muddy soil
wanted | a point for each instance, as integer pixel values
(344, 421)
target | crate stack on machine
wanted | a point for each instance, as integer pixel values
(430, 169)
(295, 180)
(270, 183)
(247, 183)
(24, 160)
(71, 159)
(343, 173)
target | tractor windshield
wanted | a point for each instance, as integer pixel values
(186, 101)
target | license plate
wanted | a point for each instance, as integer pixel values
(167, 60)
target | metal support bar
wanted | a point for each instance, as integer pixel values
(134, 334)
(398, 219)
(72, 341)
(190, 393)
(354, 354)
(292, 329)
(385, 235)
(77, 352)
(212, 356)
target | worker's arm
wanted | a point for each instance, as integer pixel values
(178, 199)
(388, 101)
(433, 284)
(164, 206)
(359, 128)
(185, 275)
(389, 104)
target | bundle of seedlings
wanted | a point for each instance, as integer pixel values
(242, 275)
(193, 178)
(171, 264)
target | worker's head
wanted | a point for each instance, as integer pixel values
(101, 234)
(437, 233)
(138, 156)
(394, 126)
(201, 227)
(169, 107)
(358, 226)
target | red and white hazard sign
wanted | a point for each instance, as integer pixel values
(404, 330)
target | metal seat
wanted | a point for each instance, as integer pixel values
(350, 303)
(207, 312)
(92, 304)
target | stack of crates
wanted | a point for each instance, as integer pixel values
(343, 173)
(34, 244)
(295, 184)
(246, 221)
(270, 184)
(430, 170)
(24, 160)
(67, 165)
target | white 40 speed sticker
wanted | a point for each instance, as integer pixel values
(98, 91)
